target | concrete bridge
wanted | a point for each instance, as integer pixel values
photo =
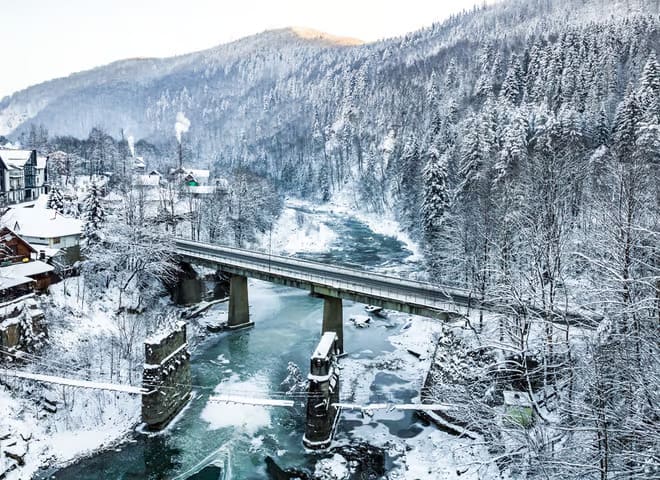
(329, 282)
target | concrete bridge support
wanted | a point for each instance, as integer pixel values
(333, 319)
(323, 394)
(166, 376)
(239, 310)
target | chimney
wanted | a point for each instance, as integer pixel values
(180, 157)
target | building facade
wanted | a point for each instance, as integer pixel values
(23, 176)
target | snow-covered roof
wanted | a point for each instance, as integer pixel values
(146, 180)
(15, 158)
(26, 269)
(197, 173)
(11, 282)
(7, 234)
(40, 222)
(41, 162)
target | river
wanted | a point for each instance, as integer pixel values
(237, 439)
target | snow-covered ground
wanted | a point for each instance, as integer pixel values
(431, 453)
(295, 232)
(85, 420)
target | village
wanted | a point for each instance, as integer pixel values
(41, 228)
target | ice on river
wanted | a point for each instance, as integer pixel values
(248, 418)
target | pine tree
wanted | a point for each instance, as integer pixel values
(626, 123)
(93, 217)
(512, 87)
(649, 89)
(55, 200)
(514, 149)
(324, 182)
(409, 188)
(436, 194)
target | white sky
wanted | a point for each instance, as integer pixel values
(44, 39)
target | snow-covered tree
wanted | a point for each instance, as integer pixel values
(56, 200)
(93, 216)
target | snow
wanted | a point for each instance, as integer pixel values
(71, 382)
(430, 454)
(333, 468)
(26, 269)
(324, 346)
(248, 418)
(360, 321)
(40, 222)
(297, 232)
(86, 419)
(12, 281)
(15, 158)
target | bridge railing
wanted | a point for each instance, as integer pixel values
(326, 268)
(282, 266)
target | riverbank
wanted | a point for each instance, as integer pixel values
(63, 424)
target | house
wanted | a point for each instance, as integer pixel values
(36, 270)
(190, 177)
(23, 176)
(139, 164)
(45, 229)
(13, 248)
(20, 271)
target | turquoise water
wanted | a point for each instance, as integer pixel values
(254, 362)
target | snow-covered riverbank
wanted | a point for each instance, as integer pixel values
(52, 425)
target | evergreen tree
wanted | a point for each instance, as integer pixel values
(436, 194)
(512, 87)
(93, 217)
(409, 188)
(55, 200)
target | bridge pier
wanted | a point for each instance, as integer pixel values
(333, 320)
(166, 376)
(239, 310)
(323, 393)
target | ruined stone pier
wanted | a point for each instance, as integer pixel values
(166, 377)
(322, 414)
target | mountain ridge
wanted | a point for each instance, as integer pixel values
(143, 95)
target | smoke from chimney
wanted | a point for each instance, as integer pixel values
(131, 145)
(181, 126)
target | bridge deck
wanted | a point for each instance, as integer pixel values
(113, 387)
(329, 280)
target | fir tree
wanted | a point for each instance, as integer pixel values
(512, 87)
(436, 193)
(55, 200)
(93, 217)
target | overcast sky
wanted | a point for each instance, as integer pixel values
(44, 39)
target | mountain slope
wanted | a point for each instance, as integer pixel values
(115, 96)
